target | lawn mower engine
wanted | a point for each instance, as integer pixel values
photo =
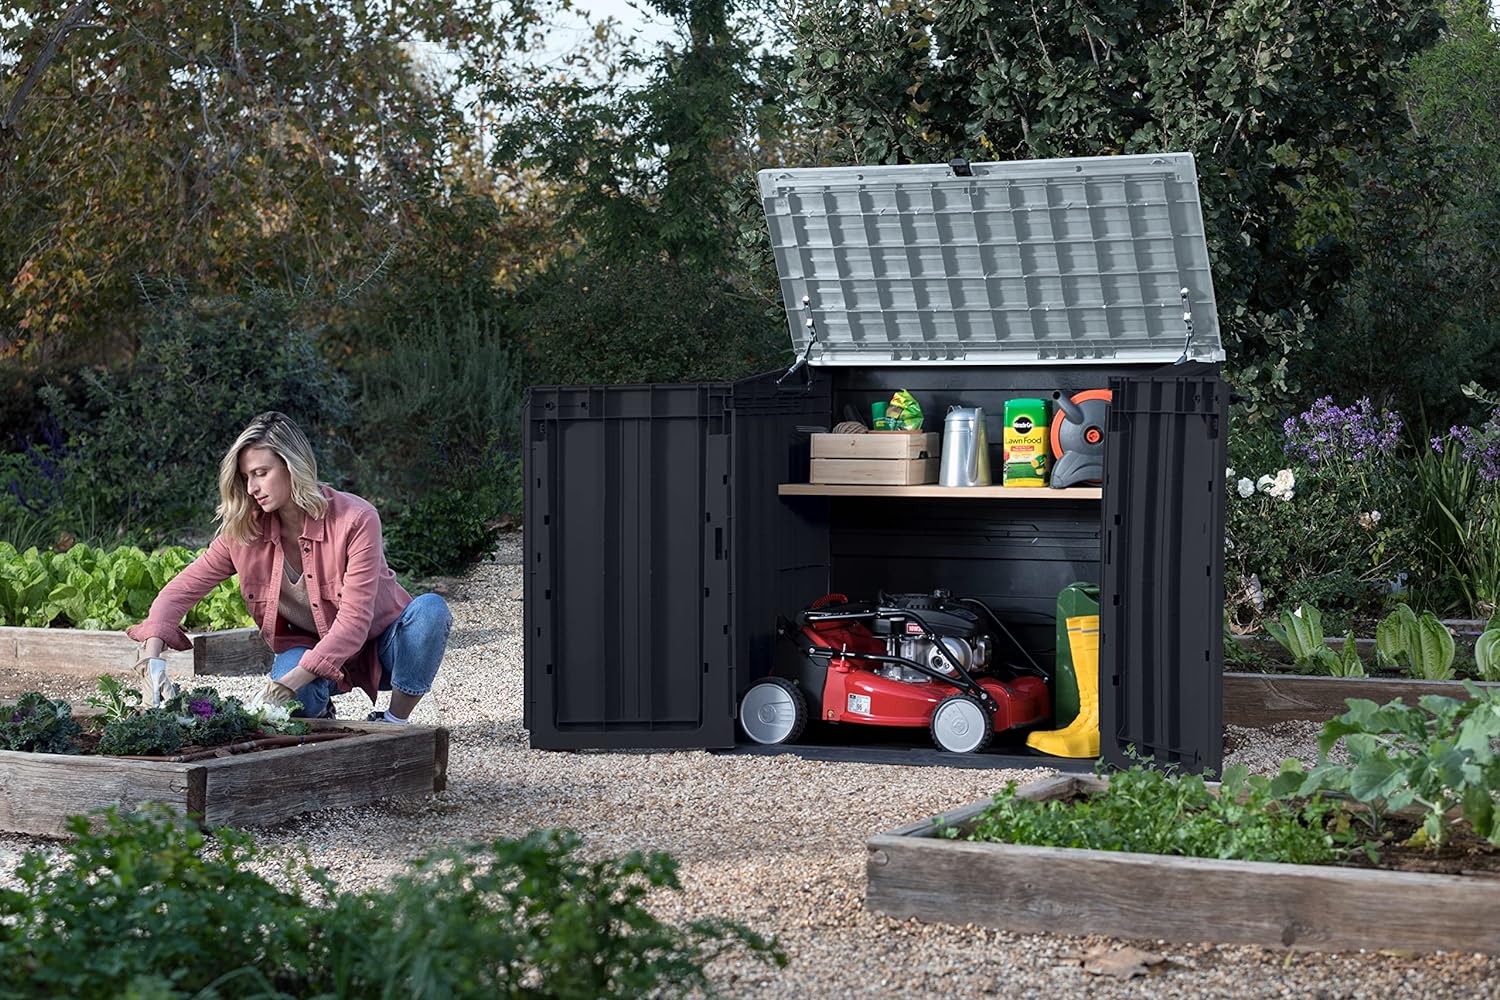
(912, 660)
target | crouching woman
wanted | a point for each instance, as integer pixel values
(313, 573)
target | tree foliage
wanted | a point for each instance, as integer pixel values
(1276, 99)
(284, 144)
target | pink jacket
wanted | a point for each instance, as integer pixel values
(354, 594)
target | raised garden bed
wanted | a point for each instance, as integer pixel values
(84, 653)
(39, 791)
(913, 871)
(1255, 701)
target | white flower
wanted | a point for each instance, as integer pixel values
(1282, 487)
(1264, 484)
(273, 715)
(1246, 487)
(1229, 472)
(1370, 520)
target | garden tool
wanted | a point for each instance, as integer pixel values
(156, 686)
(1078, 437)
(1080, 738)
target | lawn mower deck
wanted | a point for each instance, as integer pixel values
(906, 660)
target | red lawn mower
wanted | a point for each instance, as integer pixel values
(912, 660)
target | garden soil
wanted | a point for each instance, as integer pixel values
(777, 842)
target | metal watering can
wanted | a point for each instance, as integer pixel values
(966, 448)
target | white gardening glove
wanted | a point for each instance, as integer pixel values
(274, 694)
(156, 686)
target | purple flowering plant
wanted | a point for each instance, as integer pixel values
(202, 708)
(1326, 433)
(1479, 445)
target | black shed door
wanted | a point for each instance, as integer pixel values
(1162, 599)
(627, 581)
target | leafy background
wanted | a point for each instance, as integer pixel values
(388, 222)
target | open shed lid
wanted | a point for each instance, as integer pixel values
(1058, 261)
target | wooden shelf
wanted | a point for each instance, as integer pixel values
(945, 492)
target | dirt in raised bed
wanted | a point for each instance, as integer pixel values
(1463, 854)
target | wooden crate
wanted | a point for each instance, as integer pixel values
(1255, 701)
(885, 445)
(874, 471)
(914, 872)
(85, 653)
(39, 791)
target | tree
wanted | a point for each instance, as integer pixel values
(247, 143)
(650, 159)
(1276, 99)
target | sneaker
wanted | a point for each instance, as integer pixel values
(329, 712)
(379, 716)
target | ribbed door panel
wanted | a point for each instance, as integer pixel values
(1162, 599)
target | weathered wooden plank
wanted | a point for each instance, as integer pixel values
(82, 653)
(39, 791)
(232, 652)
(275, 785)
(1070, 891)
(1061, 890)
(1255, 701)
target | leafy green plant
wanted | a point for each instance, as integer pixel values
(1347, 663)
(150, 733)
(114, 700)
(1154, 812)
(1301, 634)
(91, 588)
(1487, 654)
(1438, 756)
(37, 724)
(194, 906)
(1424, 646)
(510, 919)
(200, 717)
(511, 913)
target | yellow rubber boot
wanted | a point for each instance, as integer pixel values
(1080, 738)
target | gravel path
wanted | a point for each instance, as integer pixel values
(777, 842)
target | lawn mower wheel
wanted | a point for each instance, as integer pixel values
(773, 711)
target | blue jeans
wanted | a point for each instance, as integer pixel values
(409, 650)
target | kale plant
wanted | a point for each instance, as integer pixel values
(37, 724)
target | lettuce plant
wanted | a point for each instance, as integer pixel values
(1487, 654)
(1424, 646)
(92, 588)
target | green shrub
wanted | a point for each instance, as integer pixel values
(142, 455)
(644, 318)
(438, 446)
(149, 905)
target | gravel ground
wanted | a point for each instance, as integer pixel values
(776, 842)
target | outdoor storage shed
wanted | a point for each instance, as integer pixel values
(667, 526)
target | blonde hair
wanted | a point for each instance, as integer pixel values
(239, 517)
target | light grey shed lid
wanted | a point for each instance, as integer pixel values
(1052, 261)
